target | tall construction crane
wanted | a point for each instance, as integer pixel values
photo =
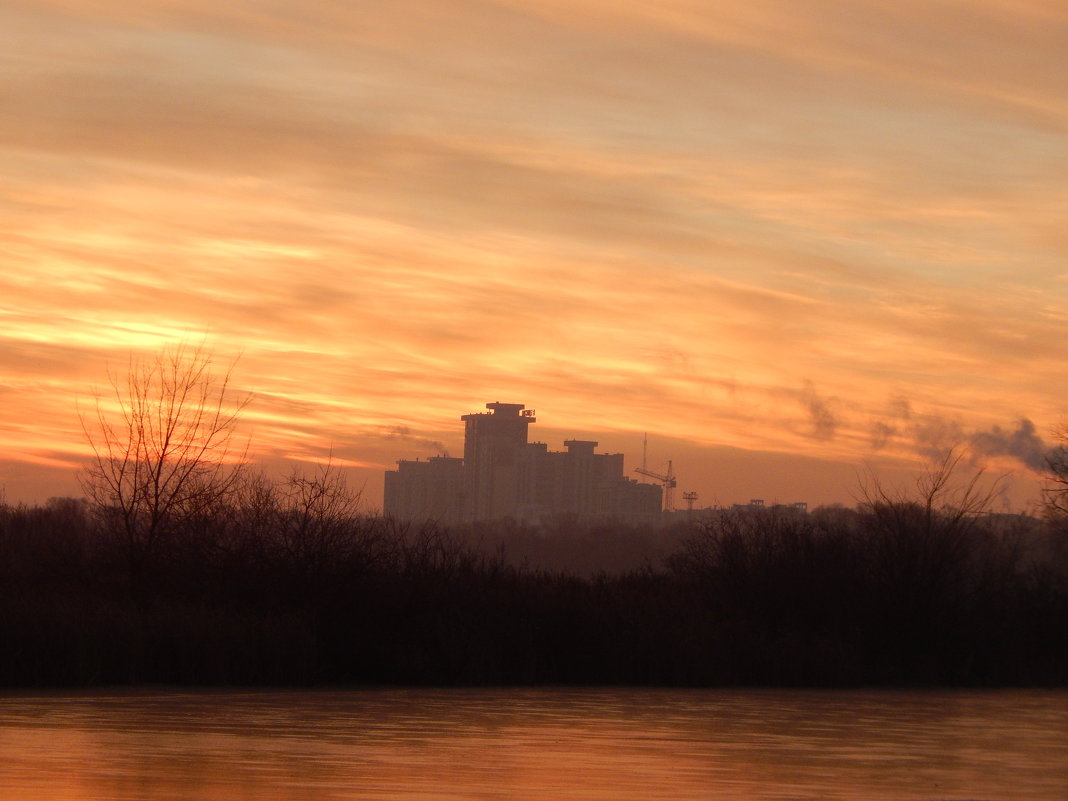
(667, 480)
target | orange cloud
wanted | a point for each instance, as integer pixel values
(741, 225)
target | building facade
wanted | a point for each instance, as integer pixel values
(502, 475)
(425, 490)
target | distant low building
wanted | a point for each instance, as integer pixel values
(502, 475)
(758, 503)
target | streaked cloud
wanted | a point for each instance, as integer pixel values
(737, 224)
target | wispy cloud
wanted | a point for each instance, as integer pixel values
(743, 224)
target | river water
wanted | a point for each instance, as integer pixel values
(516, 744)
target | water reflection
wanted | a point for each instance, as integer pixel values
(536, 744)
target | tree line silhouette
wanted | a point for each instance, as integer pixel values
(182, 566)
(266, 594)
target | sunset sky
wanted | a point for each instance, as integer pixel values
(789, 239)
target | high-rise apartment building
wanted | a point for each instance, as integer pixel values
(495, 451)
(502, 475)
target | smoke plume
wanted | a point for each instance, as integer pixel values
(1021, 443)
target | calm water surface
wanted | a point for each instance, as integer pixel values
(398, 745)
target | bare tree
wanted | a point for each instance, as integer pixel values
(1057, 476)
(317, 514)
(163, 452)
(922, 543)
